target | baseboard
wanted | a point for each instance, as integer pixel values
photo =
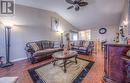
(19, 59)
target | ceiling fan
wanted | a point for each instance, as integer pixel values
(76, 4)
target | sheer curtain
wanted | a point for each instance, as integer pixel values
(85, 35)
(74, 36)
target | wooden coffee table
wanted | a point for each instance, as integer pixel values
(61, 55)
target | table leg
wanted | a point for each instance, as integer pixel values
(76, 59)
(65, 66)
(54, 62)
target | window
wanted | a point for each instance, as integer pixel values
(74, 36)
(85, 35)
(88, 34)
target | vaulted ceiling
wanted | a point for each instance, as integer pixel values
(96, 13)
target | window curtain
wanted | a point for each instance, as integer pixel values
(85, 35)
(73, 36)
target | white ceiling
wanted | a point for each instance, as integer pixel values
(97, 13)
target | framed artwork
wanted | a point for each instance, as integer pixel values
(55, 23)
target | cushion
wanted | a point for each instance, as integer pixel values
(45, 44)
(34, 46)
(86, 44)
(56, 44)
(75, 47)
(8, 79)
(43, 52)
(82, 48)
(51, 44)
(76, 43)
(58, 49)
(39, 43)
(46, 51)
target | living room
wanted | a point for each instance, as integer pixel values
(63, 41)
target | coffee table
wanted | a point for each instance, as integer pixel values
(61, 55)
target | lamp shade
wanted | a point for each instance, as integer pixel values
(7, 23)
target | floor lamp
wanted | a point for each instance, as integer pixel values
(7, 44)
(62, 40)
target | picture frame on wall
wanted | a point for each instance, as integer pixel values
(55, 23)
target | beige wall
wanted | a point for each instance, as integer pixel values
(30, 24)
(109, 35)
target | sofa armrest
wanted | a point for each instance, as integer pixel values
(28, 49)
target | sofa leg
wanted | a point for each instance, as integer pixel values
(32, 60)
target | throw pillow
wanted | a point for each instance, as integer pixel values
(45, 44)
(77, 43)
(51, 44)
(39, 44)
(56, 44)
(86, 44)
(35, 46)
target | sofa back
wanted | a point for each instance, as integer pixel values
(47, 44)
(80, 43)
(77, 43)
(40, 45)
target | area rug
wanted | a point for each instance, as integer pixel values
(48, 73)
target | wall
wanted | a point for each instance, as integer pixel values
(109, 35)
(29, 24)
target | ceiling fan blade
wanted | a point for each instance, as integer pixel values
(83, 3)
(70, 1)
(70, 7)
(77, 8)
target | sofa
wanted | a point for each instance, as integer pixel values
(83, 47)
(41, 50)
